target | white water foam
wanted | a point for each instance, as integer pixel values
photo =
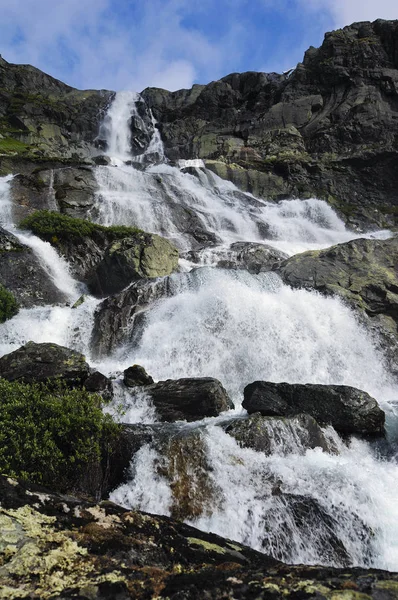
(162, 198)
(239, 328)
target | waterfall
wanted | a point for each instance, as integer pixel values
(300, 505)
(59, 324)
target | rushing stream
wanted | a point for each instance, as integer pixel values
(237, 327)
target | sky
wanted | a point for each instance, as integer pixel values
(133, 44)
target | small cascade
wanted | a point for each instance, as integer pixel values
(240, 328)
(51, 199)
(59, 324)
(122, 118)
(203, 209)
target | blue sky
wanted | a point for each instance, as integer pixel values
(132, 44)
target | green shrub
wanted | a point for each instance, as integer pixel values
(8, 305)
(52, 435)
(53, 226)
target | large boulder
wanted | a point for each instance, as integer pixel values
(107, 259)
(189, 399)
(279, 435)
(347, 409)
(104, 551)
(364, 272)
(22, 274)
(130, 259)
(44, 363)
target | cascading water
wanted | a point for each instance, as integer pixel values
(300, 505)
(60, 324)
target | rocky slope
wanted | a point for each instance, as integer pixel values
(328, 129)
(57, 546)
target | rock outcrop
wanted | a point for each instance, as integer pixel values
(22, 274)
(276, 435)
(363, 272)
(347, 409)
(45, 362)
(55, 546)
(42, 117)
(326, 129)
(107, 259)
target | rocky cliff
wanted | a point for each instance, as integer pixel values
(329, 128)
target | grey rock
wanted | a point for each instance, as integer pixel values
(347, 409)
(280, 435)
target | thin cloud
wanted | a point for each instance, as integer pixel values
(345, 12)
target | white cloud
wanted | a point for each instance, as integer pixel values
(87, 43)
(345, 12)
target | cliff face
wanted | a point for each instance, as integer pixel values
(329, 128)
(42, 118)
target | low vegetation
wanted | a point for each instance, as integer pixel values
(8, 305)
(53, 226)
(52, 435)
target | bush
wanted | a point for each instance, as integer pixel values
(8, 305)
(53, 226)
(52, 435)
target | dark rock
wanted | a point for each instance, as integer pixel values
(136, 375)
(102, 160)
(347, 409)
(22, 274)
(115, 553)
(70, 190)
(189, 399)
(279, 435)
(99, 384)
(118, 317)
(45, 362)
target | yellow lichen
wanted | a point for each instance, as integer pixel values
(206, 545)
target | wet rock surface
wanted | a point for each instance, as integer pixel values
(129, 259)
(279, 435)
(55, 546)
(22, 274)
(347, 409)
(189, 399)
(45, 362)
(136, 376)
